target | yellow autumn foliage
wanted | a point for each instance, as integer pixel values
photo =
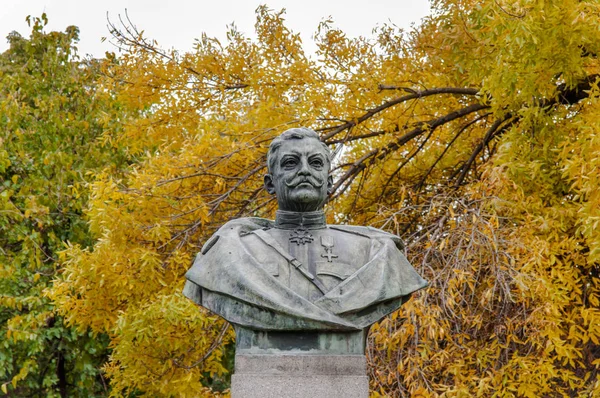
(474, 137)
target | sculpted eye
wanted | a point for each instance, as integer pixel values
(289, 163)
(317, 163)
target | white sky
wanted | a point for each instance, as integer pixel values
(176, 23)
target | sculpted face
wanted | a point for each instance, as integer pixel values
(300, 177)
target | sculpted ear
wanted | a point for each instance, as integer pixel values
(269, 186)
(329, 185)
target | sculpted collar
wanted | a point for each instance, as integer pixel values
(292, 219)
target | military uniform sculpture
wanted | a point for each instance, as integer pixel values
(298, 274)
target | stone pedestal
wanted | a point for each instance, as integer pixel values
(299, 376)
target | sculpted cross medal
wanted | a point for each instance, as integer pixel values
(301, 236)
(327, 243)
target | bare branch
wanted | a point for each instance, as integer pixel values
(492, 132)
(380, 153)
(510, 14)
(430, 125)
(235, 86)
(372, 112)
(356, 137)
(443, 90)
(134, 38)
(217, 202)
(439, 158)
(199, 174)
(408, 159)
(210, 350)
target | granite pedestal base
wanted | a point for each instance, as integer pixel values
(299, 376)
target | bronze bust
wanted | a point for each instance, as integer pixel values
(296, 282)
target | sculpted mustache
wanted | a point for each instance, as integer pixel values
(299, 180)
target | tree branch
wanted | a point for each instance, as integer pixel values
(439, 158)
(133, 37)
(415, 95)
(380, 153)
(210, 350)
(565, 96)
(493, 131)
(408, 159)
(355, 137)
(570, 96)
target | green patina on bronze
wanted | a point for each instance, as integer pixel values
(297, 284)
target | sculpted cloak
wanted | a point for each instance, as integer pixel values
(352, 276)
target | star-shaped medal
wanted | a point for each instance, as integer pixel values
(301, 236)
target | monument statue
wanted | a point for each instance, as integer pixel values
(297, 284)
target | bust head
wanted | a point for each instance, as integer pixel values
(298, 170)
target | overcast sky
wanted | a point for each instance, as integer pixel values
(176, 23)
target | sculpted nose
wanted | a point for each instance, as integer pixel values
(304, 169)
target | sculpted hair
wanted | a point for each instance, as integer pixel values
(293, 134)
